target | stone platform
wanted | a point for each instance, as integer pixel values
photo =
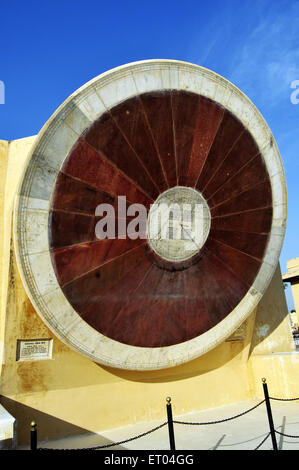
(243, 433)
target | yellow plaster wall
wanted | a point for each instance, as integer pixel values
(272, 331)
(292, 276)
(70, 395)
(295, 293)
(3, 165)
(13, 156)
(293, 264)
(273, 354)
(281, 371)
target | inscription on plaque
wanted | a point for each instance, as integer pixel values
(34, 349)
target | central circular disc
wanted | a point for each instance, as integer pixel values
(178, 223)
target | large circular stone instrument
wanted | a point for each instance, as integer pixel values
(145, 134)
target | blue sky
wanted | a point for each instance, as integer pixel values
(49, 49)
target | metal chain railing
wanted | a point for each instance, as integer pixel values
(106, 446)
(284, 399)
(170, 421)
(221, 420)
(286, 435)
(278, 432)
(261, 443)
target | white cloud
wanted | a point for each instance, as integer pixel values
(268, 60)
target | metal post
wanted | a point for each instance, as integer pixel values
(33, 436)
(269, 412)
(170, 424)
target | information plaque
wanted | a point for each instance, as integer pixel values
(34, 349)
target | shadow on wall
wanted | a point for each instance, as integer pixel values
(212, 360)
(49, 427)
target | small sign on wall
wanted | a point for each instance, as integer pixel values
(34, 349)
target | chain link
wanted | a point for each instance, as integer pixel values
(261, 443)
(284, 399)
(222, 420)
(286, 435)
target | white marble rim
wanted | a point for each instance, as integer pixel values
(36, 185)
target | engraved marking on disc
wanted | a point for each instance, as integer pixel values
(178, 223)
